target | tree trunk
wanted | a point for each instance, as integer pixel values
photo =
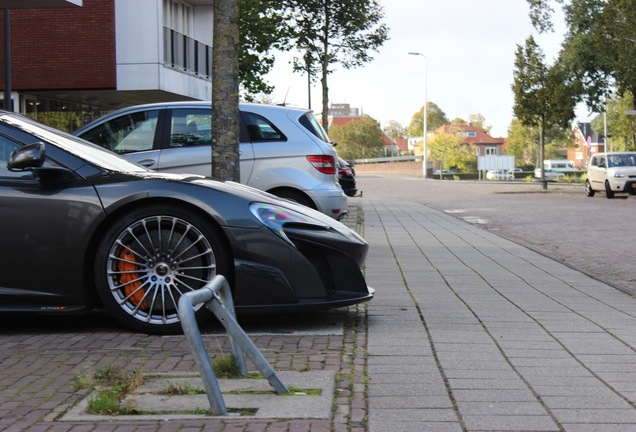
(542, 154)
(225, 91)
(325, 71)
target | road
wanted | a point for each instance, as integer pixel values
(593, 235)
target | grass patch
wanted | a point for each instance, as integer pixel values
(113, 384)
(243, 411)
(293, 391)
(226, 367)
(84, 381)
(108, 402)
(180, 389)
(119, 380)
(575, 178)
(296, 391)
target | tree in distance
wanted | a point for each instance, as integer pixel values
(360, 138)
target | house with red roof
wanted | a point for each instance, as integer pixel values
(587, 143)
(484, 144)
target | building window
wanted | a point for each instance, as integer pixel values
(471, 134)
(180, 50)
(178, 16)
(491, 151)
(60, 114)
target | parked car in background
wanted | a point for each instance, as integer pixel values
(282, 150)
(347, 177)
(561, 165)
(500, 174)
(83, 228)
(613, 172)
(443, 172)
(550, 174)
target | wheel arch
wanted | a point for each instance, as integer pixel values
(90, 292)
(290, 192)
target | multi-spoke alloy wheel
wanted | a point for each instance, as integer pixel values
(151, 258)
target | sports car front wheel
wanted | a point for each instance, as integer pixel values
(150, 257)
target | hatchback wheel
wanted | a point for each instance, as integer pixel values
(152, 256)
(608, 190)
(588, 189)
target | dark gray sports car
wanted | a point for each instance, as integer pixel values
(82, 228)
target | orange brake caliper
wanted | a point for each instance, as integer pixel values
(128, 277)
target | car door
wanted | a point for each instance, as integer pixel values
(186, 144)
(43, 234)
(596, 172)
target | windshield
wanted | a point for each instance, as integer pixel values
(76, 146)
(621, 160)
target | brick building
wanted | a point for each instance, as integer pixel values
(70, 65)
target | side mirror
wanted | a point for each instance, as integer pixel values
(27, 157)
(31, 158)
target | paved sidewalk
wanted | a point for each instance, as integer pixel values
(468, 332)
(472, 332)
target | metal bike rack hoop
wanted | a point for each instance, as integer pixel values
(217, 297)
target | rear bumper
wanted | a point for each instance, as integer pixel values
(333, 203)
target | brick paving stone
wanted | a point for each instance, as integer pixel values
(39, 370)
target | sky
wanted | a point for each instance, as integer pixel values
(469, 48)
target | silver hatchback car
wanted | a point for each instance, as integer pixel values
(283, 150)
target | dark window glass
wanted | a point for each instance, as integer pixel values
(126, 134)
(261, 129)
(191, 127)
(310, 123)
(6, 147)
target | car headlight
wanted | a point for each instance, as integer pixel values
(275, 218)
(619, 174)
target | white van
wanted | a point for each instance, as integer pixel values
(613, 172)
(561, 165)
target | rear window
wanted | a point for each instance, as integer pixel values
(261, 129)
(310, 123)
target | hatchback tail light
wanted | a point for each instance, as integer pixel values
(323, 163)
(345, 170)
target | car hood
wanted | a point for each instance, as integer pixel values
(247, 192)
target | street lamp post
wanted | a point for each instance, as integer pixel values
(308, 64)
(424, 137)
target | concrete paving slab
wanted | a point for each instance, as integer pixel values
(248, 393)
(501, 408)
(396, 415)
(591, 415)
(605, 427)
(410, 426)
(511, 423)
(403, 402)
